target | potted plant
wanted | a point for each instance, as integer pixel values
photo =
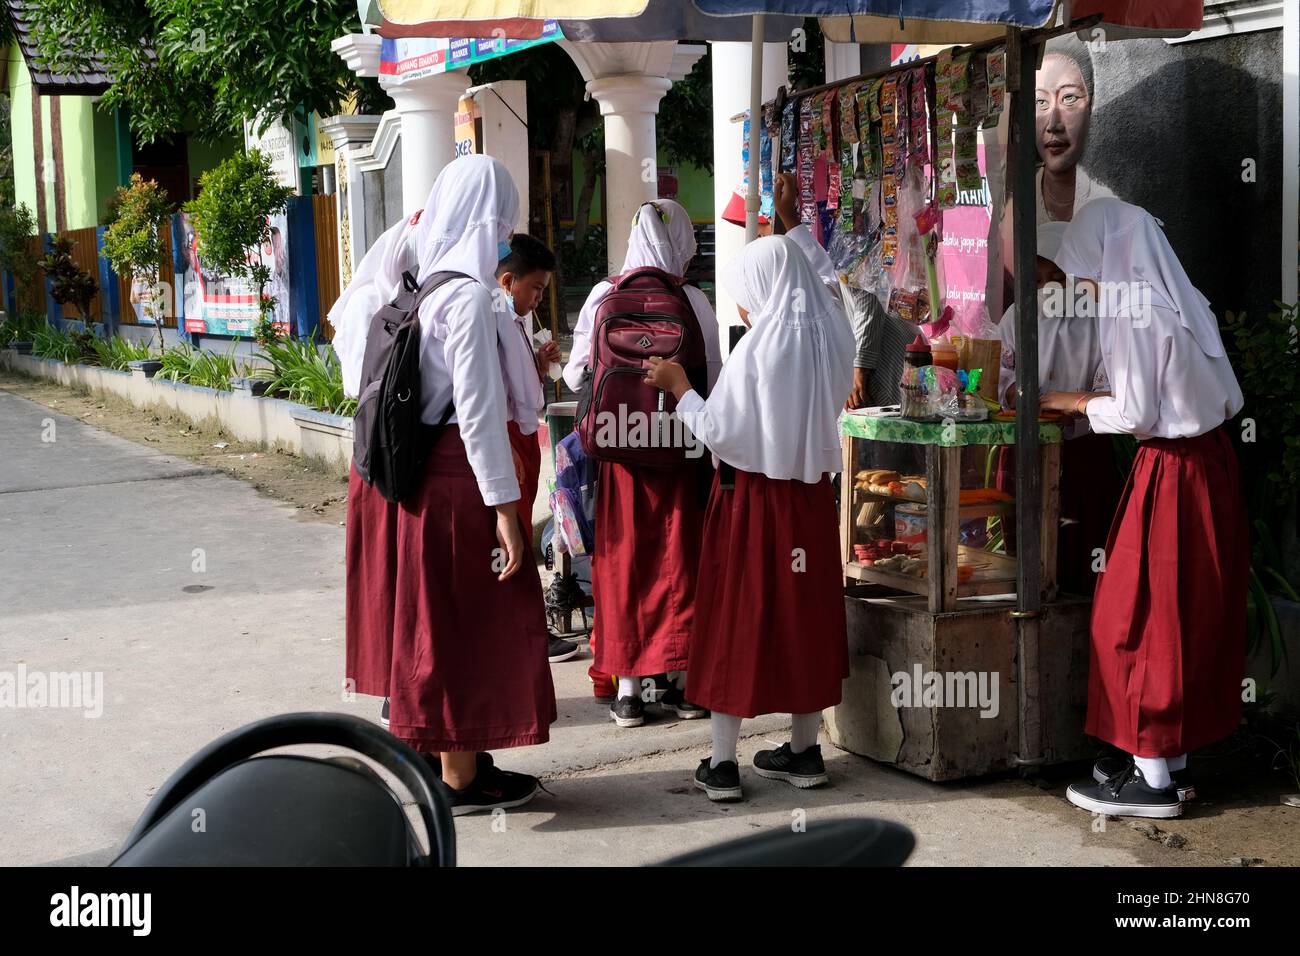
(133, 248)
(231, 217)
(249, 381)
(19, 331)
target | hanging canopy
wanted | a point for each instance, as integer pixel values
(872, 21)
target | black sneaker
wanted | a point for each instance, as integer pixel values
(383, 714)
(1108, 767)
(628, 711)
(802, 770)
(1126, 795)
(561, 650)
(675, 700)
(721, 783)
(493, 789)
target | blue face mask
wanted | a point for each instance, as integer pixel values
(503, 250)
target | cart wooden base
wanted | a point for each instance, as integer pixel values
(891, 636)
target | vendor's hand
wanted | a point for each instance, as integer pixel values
(858, 397)
(1065, 402)
(785, 199)
(548, 352)
(669, 376)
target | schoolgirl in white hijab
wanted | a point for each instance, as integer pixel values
(769, 634)
(1169, 615)
(646, 517)
(450, 591)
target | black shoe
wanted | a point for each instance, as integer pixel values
(383, 714)
(721, 783)
(1108, 767)
(493, 789)
(802, 770)
(561, 650)
(675, 700)
(628, 711)
(1126, 795)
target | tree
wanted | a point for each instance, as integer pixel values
(132, 244)
(206, 66)
(231, 218)
(17, 232)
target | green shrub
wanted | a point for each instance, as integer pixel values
(117, 353)
(299, 373)
(132, 244)
(54, 343)
(182, 363)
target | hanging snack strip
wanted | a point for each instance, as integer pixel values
(868, 168)
(804, 170)
(996, 76)
(848, 156)
(889, 163)
(789, 141)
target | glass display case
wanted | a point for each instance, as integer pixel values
(929, 508)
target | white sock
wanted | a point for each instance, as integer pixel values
(803, 730)
(1155, 771)
(678, 679)
(1177, 763)
(726, 731)
(628, 687)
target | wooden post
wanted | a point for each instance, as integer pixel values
(846, 505)
(1023, 56)
(1050, 467)
(943, 475)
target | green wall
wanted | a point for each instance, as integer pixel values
(20, 117)
(79, 172)
(107, 178)
(694, 190)
(203, 156)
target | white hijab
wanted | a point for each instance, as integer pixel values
(669, 245)
(375, 283)
(776, 406)
(472, 209)
(1115, 242)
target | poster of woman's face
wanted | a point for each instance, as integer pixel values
(1062, 110)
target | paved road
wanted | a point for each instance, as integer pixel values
(205, 605)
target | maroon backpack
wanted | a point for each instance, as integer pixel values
(646, 313)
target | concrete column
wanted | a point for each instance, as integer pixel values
(629, 105)
(628, 80)
(428, 110)
(427, 107)
(731, 62)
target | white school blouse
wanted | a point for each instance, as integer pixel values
(1163, 385)
(582, 332)
(458, 359)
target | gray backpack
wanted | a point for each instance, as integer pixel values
(389, 441)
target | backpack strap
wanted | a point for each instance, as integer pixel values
(434, 282)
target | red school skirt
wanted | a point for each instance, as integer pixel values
(1169, 615)
(469, 668)
(529, 450)
(370, 585)
(770, 635)
(649, 524)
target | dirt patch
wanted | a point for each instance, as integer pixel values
(278, 474)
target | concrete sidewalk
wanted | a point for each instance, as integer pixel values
(206, 605)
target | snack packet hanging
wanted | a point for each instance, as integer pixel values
(789, 138)
(917, 145)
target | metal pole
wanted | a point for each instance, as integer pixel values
(1023, 158)
(752, 197)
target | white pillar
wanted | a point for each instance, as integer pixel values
(427, 107)
(629, 105)
(428, 110)
(731, 62)
(628, 80)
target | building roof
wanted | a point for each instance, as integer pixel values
(93, 82)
